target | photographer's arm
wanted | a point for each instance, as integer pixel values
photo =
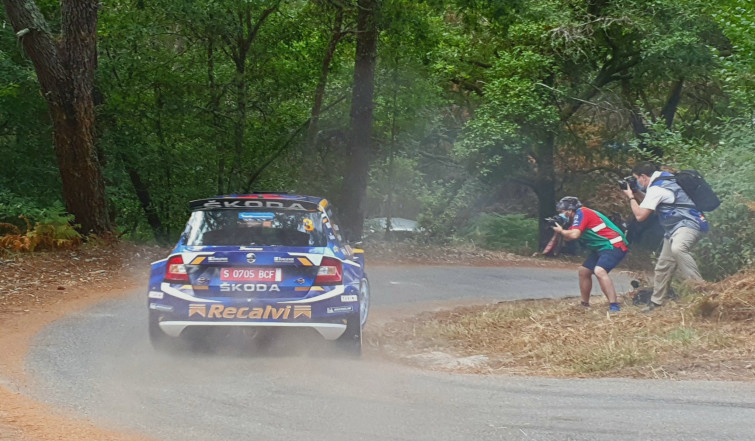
(639, 213)
(571, 234)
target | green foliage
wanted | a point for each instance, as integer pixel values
(393, 190)
(470, 96)
(14, 209)
(447, 207)
(737, 72)
(730, 245)
(28, 167)
(56, 231)
(512, 232)
(53, 227)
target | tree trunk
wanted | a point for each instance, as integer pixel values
(360, 141)
(142, 193)
(216, 96)
(65, 71)
(392, 151)
(672, 103)
(335, 36)
(239, 45)
(544, 184)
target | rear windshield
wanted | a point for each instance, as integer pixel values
(260, 228)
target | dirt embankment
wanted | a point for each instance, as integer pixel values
(37, 289)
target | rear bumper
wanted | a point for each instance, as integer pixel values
(329, 331)
(325, 309)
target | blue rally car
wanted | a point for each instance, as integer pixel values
(252, 263)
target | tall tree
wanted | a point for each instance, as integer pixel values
(553, 77)
(336, 34)
(360, 141)
(65, 68)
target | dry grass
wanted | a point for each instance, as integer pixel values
(707, 334)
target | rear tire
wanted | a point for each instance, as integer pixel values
(351, 340)
(160, 340)
(364, 300)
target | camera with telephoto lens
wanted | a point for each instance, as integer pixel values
(556, 220)
(628, 182)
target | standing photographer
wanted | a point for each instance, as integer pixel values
(682, 223)
(601, 236)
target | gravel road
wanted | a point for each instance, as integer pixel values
(99, 364)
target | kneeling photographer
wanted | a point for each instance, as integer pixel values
(602, 237)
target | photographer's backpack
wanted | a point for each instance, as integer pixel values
(693, 183)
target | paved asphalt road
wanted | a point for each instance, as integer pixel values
(100, 364)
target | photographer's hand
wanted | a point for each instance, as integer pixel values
(570, 234)
(628, 192)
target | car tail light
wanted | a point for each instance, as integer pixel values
(330, 272)
(176, 271)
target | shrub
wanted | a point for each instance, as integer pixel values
(511, 232)
(730, 246)
(53, 227)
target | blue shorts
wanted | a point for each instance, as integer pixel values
(606, 259)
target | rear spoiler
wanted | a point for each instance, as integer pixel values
(254, 202)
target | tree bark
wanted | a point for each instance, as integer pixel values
(239, 45)
(360, 141)
(65, 70)
(335, 37)
(216, 96)
(142, 193)
(544, 184)
(672, 103)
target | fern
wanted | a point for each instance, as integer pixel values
(54, 231)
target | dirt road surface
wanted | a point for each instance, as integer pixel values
(85, 351)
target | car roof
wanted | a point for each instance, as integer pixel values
(260, 200)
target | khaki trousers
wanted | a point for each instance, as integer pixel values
(675, 257)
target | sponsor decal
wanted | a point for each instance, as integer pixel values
(248, 287)
(217, 259)
(198, 260)
(203, 280)
(159, 307)
(308, 225)
(283, 259)
(256, 216)
(336, 309)
(198, 309)
(245, 203)
(155, 295)
(251, 258)
(250, 249)
(349, 298)
(269, 312)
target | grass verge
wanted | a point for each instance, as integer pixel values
(703, 335)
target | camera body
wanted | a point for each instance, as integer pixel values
(630, 182)
(556, 220)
